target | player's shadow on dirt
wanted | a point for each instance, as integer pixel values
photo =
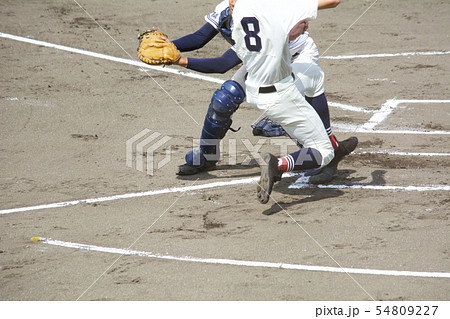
(235, 171)
(344, 178)
(378, 178)
(315, 193)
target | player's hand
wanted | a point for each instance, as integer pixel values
(298, 29)
(183, 61)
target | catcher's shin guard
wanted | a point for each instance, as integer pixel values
(224, 103)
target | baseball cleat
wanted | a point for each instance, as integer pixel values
(313, 171)
(328, 172)
(269, 175)
(326, 175)
(347, 146)
(186, 169)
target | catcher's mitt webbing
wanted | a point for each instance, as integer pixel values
(267, 127)
(155, 50)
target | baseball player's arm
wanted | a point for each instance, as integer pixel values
(302, 25)
(326, 4)
(196, 40)
(298, 29)
(211, 65)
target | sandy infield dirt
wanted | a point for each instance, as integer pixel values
(66, 117)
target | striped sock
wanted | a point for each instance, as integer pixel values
(304, 158)
(333, 139)
(286, 163)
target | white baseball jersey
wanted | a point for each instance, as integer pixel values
(304, 44)
(303, 48)
(261, 32)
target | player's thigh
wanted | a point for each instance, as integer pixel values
(290, 109)
(303, 124)
(309, 78)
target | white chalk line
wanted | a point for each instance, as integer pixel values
(111, 58)
(357, 129)
(350, 107)
(251, 180)
(386, 109)
(405, 153)
(382, 55)
(303, 182)
(380, 115)
(410, 188)
(131, 195)
(243, 263)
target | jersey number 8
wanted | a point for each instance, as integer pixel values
(251, 29)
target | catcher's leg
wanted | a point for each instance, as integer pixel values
(224, 103)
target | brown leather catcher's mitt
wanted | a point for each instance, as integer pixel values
(154, 50)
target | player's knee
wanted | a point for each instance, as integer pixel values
(235, 91)
(227, 99)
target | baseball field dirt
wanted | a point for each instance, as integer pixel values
(116, 223)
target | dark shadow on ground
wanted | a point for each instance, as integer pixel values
(315, 193)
